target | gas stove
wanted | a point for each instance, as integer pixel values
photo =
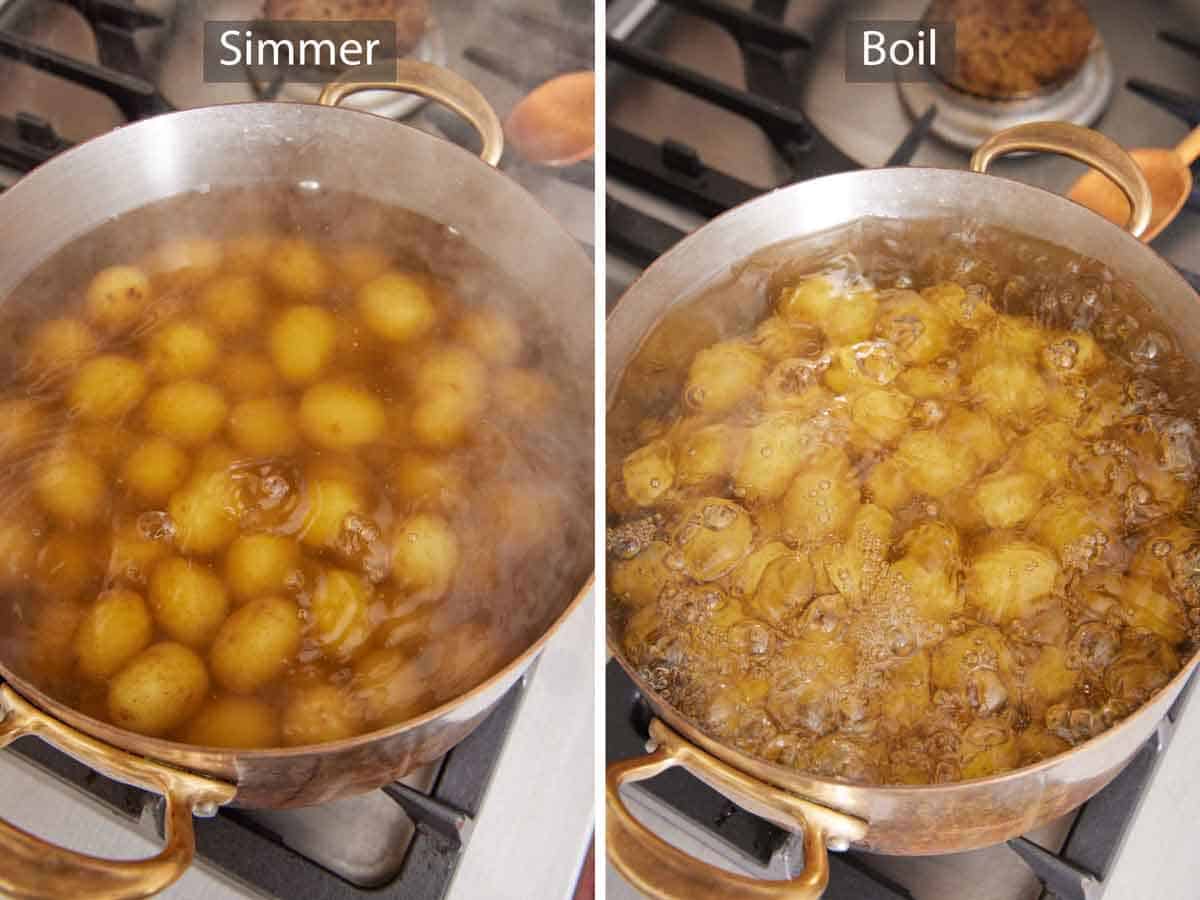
(710, 104)
(504, 814)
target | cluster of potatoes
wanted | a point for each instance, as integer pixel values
(251, 499)
(902, 536)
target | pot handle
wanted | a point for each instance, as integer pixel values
(662, 871)
(1083, 144)
(438, 84)
(34, 869)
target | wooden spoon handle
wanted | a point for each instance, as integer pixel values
(1189, 148)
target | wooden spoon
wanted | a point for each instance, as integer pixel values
(1170, 178)
(554, 125)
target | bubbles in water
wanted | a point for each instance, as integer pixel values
(156, 526)
(718, 516)
(1150, 349)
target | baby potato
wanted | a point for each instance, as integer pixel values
(301, 343)
(705, 457)
(71, 487)
(821, 500)
(1165, 552)
(649, 473)
(60, 344)
(1004, 583)
(181, 349)
(713, 535)
(134, 552)
(426, 479)
(907, 699)
(20, 540)
(50, 653)
(452, 368)
(524, 394)
(442, 420)
(795, 385)
(1047, 451)
(338, 613)
(1152, 610)
(722, 376)
(1073, 353)
(117, 296)
(846, 317)
(1007, 499)
(1076, 527)
(255, 644)
(1036, 744)
(264, 426)
(638, 581)
(108, 443)
(328, 500)
(298, 270)
(861, 561)
(1101, 408)
(783, 591)
(318, 713)
(397, 306)
(160, 689)
(932, 382)
(868, 364)
(425, 554)
(22, 422)
(977, 430)
(1049, 679)
(934, 464)
(1009, 390)
(154, 469)
(241, 723)
(933, 544)
(258, 564)
(188, 412)
(391, 686)
(882, 413)
(114, 630)
(955, 663)
(359, 263)
(914, 326)
(246, 374)
(189, 602)
(107, 388)
(493, 336)
(966, 309)
(777, 339)
(233, 303)
(205, 511)
(748, 574)
(186, 262)
(1008, 339)
(932, 589)
(987, 748)
(68, 565)
(887, 486)
(806, 678)
(340, 416)
(775, 450)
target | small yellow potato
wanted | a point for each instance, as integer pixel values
(20, 539)
(966, 309)
(1007, 499)
(932, 589)
(50, 653)
(60, 344)
(1050, 680)
(845, 317)
(934, 464)
(391, 686)
(809, 674)
(713, 535)
(1150, 609)
(245, 374)
(134, 551)
(722, 376)
(68, 566)
(397, 307)
(987, 748)
(1036, 744)
(338, 613)
(821, 500)
(425, 554)
(495, 337)
(1163, 554)
(259, 564)
(187, 262)
(784, 590)
(868, 364)
(1007, 339)
(241, 723)
(795, 385)
(526, 514)
(932, 382)
(189, 601)
(248, 252)
(956, 663)
(774, 451)
(887, 486)
(1004, 583)
(1047, 451)
(108, 443)
(328, 501)
(340, 416)
(977, 430)
(233, 303)
(22, 423)
(318, 713)
(297, 269)
(907, 698)
(264, 426)
(188, 412)
(181, 349)
(256, 644)
(417, 478)
(359, 263)
(639, 580)
(205, 511)
(154, 469)
(1009, 390)
(442, 420)
(777, 339)
(71, 487)
(707, 456)
(1073, 353)
(882, 413)
(914, 326)
(107, 388)
(114, 630)
(450, 367)
(1076, 527)
(934, 544)
(524, 394)
(1103, 407)
(161, 688)
(302, 342)
(863, 559)
(117, 297)
(649, 473)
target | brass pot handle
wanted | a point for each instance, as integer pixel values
(446, 87)
(34, 869)
(660, 870)
(1083, 144)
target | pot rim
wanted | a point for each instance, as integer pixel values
(784, 773)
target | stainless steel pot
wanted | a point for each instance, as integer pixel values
(274, 143)
(832, 814)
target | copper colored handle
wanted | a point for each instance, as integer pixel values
(442, 85)
(36, 869)
(659, 870)
(1088, 147)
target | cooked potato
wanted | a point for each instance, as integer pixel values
(935, 381)
(187, 262)
(154, 469)
(1050, 680)
(1006, 499)
(869, 364)
(882, 413)
(20, 540)
(317, 713)
(114, 630)
(60, 344)
(748, 574)
(967, 309)
(805, 680)
(328, 501)
(784, 590)
(987, 748)
(242, 723)
(846, 317)
(795, 385)
(68, 565)
(908, 698)
(233, 303)
(339, 416)
(246, 374)
(449, 367)
(107, 388)
(397, 307)
(256, 643)
(977, 430)
(259, 564)
(1153, 610)
(302, 342)
(956, 664)
(640, 579)
(425, 554)
(391, 687)
(914, 326)
(1009, 390)
(298, 269)
(338, 613)
(1007, 339)
(887, 486)
(1072, 354)
(821, 500)
(205, 511)
(189, 601)
(188, 412)
(495, 337)
(50, 653)
(161, 688)
(862, 560)
(417, 478)
(1165, 551)
(264, 426)
(22, 423)
(722, 376)
(181, 349)
(713, 536)
(777, 339)
(932, 589)
(775, 450)
(706, 456)
(1004, 583)
(71, 487)
(935, 464)
(117, 297)
(1048, 450)
(524, 394)
(649, 473)
(134, 552)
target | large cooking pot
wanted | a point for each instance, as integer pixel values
(832, 814)
(274, 143)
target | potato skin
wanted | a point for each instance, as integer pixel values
(256, 643)
(298, 269)
(181, 349)
(204, 512)
(160, 689)
(722, 376)
(1004, 583)
(649, 473)
(188, 412)
(71, 487)
(821, 500)
(317, 713)
(60, 344)
(259, 564)
(338, 613)
(240, 723)
(336, 416)
(397, 307)
(116, 628)
(329, 501)
(117, 296)
(425, 554)
(154, 469)
(302, 342)
(491, 334)
(233, 303)
(188, 600)
(107, 388)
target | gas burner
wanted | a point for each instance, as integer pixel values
(965, 120)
